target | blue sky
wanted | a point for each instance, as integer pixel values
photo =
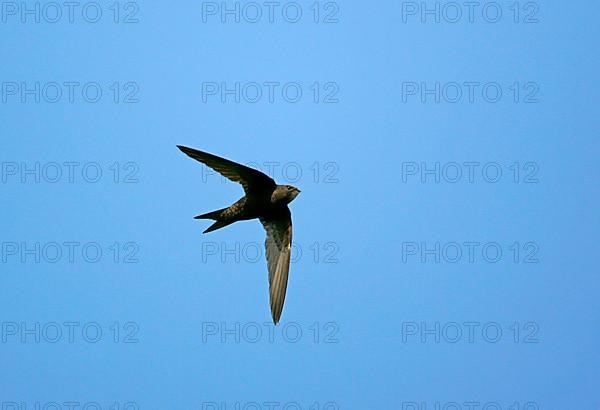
(445, 236)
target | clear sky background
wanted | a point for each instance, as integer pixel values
(383, 324)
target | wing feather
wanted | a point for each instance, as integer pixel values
(251, 179)
(278, 249)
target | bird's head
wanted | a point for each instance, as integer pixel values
(285, 194)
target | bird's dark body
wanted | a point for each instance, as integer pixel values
(249, 207)
(254, 206)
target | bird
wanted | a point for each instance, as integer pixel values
(265, 200)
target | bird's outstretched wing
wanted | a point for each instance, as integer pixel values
(251, 179)
(279, 249)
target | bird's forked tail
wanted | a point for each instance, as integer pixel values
(216, 216)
